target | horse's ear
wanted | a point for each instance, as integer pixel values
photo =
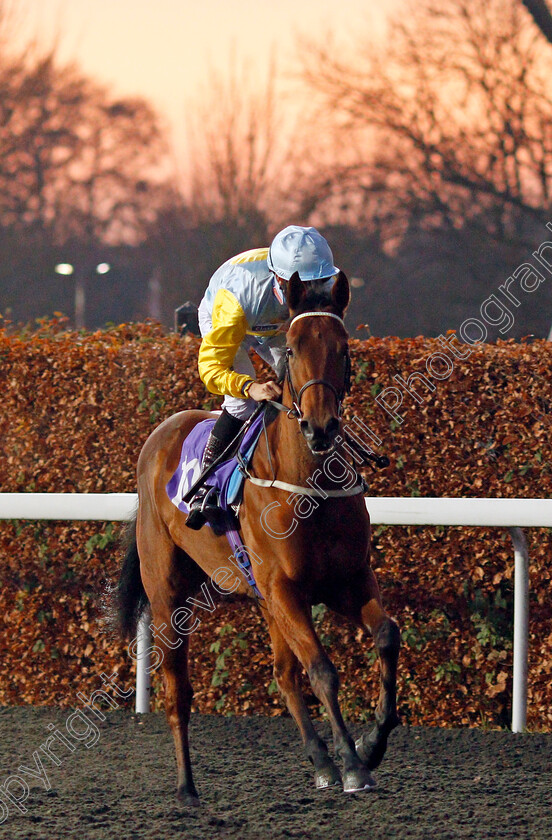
(295, 292)
(341, 293)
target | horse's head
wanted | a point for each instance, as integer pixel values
(318, 363)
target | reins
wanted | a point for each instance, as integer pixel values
(294, 412)
(314, 492)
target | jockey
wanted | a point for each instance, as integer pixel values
(242, 309)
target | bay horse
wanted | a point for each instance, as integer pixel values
(320, 558)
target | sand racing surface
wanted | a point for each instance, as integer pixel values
(254, 783)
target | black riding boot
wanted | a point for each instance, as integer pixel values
(225, 429)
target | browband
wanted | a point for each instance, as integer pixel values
(317, 314)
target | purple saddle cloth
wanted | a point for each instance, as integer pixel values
(227, 478)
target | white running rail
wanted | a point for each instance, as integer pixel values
(513, 514)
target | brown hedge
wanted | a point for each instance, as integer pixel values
(76, 409)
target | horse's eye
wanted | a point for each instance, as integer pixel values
(289, 352)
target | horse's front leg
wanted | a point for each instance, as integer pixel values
(293, 617)
(386, 634)
(287, 673)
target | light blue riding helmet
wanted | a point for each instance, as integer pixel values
(301, 249)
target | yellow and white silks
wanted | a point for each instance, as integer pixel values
(242, 309)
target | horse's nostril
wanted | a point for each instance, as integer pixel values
(305, 427)
(332, 427)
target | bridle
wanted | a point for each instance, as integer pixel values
(295, 411)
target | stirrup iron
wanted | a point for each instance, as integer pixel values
(197, 515)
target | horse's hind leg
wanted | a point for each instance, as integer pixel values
(185, 579)
(170, 576)
(178, 703)
(371, 748)
(287, 672)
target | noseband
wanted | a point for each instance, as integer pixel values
(295, 411)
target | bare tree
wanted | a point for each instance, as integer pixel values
(240, 159)
(452, 119)
(82, 175)
(541, 15)
(73, 159)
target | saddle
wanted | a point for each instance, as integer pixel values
(226, 481)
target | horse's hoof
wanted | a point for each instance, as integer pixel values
(358, 781)
(371, 751)
(372, 747)
(187, 798)
(327, 777)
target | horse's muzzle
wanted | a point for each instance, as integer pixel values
(320, 440)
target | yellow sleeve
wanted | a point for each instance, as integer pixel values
(219, 347)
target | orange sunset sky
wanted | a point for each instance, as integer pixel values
(163, 49)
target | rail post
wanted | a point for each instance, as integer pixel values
(521, 630)
(143, 680)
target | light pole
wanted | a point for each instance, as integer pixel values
(66, 269)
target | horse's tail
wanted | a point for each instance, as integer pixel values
(130, 595)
